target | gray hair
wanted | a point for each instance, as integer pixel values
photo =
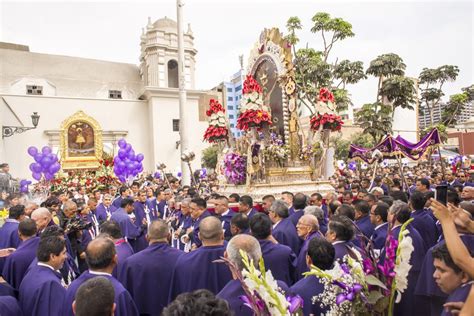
(186, 201)
(315, 211)
(397, 206)
(280, 208)
(41, 212)
(246, 243)
(69, 205)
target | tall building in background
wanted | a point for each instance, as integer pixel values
(425, 121)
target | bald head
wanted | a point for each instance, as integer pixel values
(42, 217)
(246, 243)
(311, 221)
(158, 231)
(210, 230)
(101, 254)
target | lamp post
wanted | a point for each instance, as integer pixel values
(187, 157)
(8, 131)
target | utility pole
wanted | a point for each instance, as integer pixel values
(185, 174)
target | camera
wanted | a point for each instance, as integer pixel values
(76, 224)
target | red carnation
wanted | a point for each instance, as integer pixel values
(325, 95)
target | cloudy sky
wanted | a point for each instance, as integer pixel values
(424, 34)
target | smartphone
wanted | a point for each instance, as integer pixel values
(441, 194)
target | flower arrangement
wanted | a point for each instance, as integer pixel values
(262, 293)
(217, 129)
(277, 151)
(253, 113)
(235, 168)
(327, 121)
(310, 151)
(359, 286)
(326, 96)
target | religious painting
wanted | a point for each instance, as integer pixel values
(81, 142)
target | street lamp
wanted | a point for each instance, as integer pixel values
(187, 156)
(8, 131)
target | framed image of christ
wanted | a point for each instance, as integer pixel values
(81, 142)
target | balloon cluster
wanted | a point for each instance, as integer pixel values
(46, 163)
(24, 185)
(126, 163)
(202, 173)
(352, 165)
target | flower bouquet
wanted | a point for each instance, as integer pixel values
(326, 121)
(310, 151)
(253, 113)
(359, 286)
(217, 129)
(326, 96)
(276, 151)
(262, 292)
(235, 168)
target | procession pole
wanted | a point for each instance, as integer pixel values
(441, 162)
(404, 181)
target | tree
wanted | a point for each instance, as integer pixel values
(342, 145)
(375, 119)
(433, 80)
(314, 71)
(457, 103)
(209, 157)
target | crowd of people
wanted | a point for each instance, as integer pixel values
(150, 248)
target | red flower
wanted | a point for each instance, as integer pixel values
(325, 95)
(253, 118)
(214, 134)
(251, 85)
(214, 107)
(327, 121)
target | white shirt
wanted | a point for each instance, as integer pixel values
(377, 227)
(42, 264)
(99, 273)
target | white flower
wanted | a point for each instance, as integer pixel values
(402, 265)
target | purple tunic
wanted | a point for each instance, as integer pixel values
(142, 272)
(459, 295)
(285, 233)
(430, 298)
(102, 212)
(153, 207)
(225, 219)
(295, 217)
(9, 237)
(124, 305)
(307, 288)
(132, 231)
(280, 259)
(426, 226)
(140, 214)
(379, 236)
(365, 226)
(6, 290)
(194, 236)
(196, 270)
(232, 292)
(9, 306)
(343, 248)
(117, 202)
(124, 250)
(301, 265)
(41, 292)
(18, 262)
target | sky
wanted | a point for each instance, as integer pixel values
(425, 34)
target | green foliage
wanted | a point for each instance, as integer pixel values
(469, 92)
(349, 72)
(457, 102)
(443, 133)
(342, 99)
(342, 145)
(340, 28)
(400, 91)
(293, 24)
(375, 119)
(209, 157)
(387, 65)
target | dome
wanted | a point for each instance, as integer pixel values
(165, 23)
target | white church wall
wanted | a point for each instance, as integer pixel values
(405, 123)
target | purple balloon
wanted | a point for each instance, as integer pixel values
(32, 151)
(37, 167)
(122, 178)
(131, 154)
(122, 154)
(48, 176)
(122, 143)
(139, 157)
(54, 158)
(179, 174)
(38, 157)
(28, 182)
(128, 148)
(46, 150)
(46, 162)
(117, 171)
(23, 182)
(130, 166)
(121, 165)
(54, 168)
(24, 189)
(140, 169)
(36, 176)
(32, 167)
(117, 159)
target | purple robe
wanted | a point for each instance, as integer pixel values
(379, 236)
(9, 306)
(343, 248)
(162, 208)
(225, 219)
(153, 207)
(141, 210)
(9, 237)
(232, 292)
(285, 233)
(6, 290)
(430, 298)
(194, 235)
(124, 305)
(132, 231)
(365, 226)
(301, 265)
(196, 270)
(291, 211)
(295, 217)
(251, 213)
(307, 288)
(426, 226)
(142, 272)
(117, 203)
(124, 250)
(102, 210)
(41, 292)
(280, 259)
(458, 295)
(18, 262)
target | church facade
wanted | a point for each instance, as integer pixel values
(137, 102)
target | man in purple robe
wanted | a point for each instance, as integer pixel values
(124, 194)
(340, 233)
(321, 254)
(122, 247)
(105, 209)
(288, 197)
(233, 289)
(140, 209)
(43, 218)
(246, 206)
(399, 213)
(101, 259)
(41, 292)
(449, 277)
(283, 229)
(18, 262)
(131, 228)
(362, 218)
(378, 218)
(184, 223)
(143, 271)
(198, 213)
(222, 211)
(307, 229)
(300, 201)
(95, 297)
(197, 270)
(9, 231)
(422, 221)
(9, 306)
(280, 259)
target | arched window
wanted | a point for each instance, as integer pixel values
(173, 74)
